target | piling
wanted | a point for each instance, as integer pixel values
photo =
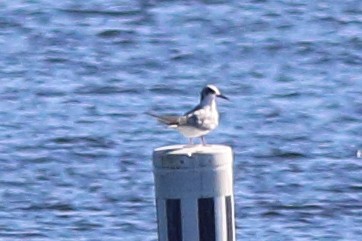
(194, 193)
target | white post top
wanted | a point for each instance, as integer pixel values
(191, 156)
(194, 192)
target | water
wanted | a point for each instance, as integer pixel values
(76, 76)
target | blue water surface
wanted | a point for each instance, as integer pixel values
(77, 76)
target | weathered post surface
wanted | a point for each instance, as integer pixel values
(194, 193)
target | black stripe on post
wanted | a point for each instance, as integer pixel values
(206, 219)
(173, 211)
(229, 218)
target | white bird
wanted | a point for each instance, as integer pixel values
(200, 120)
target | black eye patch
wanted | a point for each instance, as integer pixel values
(210, 91)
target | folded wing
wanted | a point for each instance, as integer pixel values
(170, 120)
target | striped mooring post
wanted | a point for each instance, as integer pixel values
(194, 193)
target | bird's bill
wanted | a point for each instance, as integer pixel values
(223, 97)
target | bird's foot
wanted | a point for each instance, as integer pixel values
(203, 140)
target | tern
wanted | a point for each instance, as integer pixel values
(200, 120)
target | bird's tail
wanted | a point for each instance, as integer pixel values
(170, 120)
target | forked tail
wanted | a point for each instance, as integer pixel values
(170, 120)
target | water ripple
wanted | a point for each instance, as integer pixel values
(75, 146)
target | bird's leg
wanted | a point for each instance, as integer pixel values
(190, 141)
(203, 140)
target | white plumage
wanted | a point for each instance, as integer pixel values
(200, 120)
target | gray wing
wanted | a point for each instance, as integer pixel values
(193, 110)
(170, 120)
(198, 117)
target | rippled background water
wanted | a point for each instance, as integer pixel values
(76, 76)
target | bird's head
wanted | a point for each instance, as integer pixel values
(211, 92)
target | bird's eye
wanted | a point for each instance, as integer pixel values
(210, 91)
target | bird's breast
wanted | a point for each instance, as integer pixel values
(208, 118)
